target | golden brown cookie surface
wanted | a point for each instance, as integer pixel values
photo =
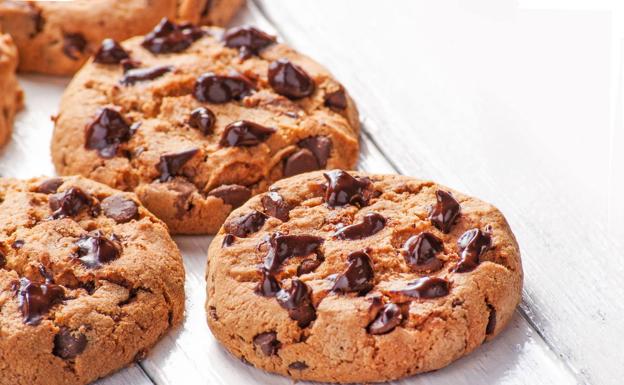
(11, 95)
(356, 278)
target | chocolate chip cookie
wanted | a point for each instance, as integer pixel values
(346, 277)
(11, 95)
(196, 120)
(57, 37)
(89, 280)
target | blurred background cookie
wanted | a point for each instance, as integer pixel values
(11, 95)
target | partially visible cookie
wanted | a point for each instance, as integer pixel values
(197, 120)
(11, 95)
(356, 278)
(89, 280)
(208, 12)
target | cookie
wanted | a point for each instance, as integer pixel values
(354, 278)
(11, 96)
(89, 280)
(57, 37)
(197, 120)
(208, 12)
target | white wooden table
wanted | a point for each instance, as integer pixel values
(519, 102)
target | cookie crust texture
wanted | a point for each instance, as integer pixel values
(89, 281)
(12, 96)
(57, 38)
(349, 323)
(191, 174)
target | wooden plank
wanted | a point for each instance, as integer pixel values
(512, 105)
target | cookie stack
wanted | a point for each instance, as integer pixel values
(315, 272)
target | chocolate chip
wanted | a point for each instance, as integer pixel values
(212, 88)
(472, 244)
(207, 7)
(107, 131)
(171, 164)
(444, 214)
(244, 133)
(300, 162)
(308, 265)
(74, 45)
(110, 52)
(420, 252)
(320, 147)
(282, 247)
(275, 206)
(71, 202)
(69, 345)
(290, 80)
(49, 186)
(129, 64)
(17, 244)
(3, 260)
(249, 40)
(168, 37)
(37, 18)
(96, 250)
(228, 240)
(35, 299)
(120, 208)
(298, 365)
(203, 119)
(267, 343)
(245, 225)
(231, 194)
(388, 318)
(371, 223)
(491, 325)
(426, 287)
(343, 189)
(268, 285)
(142, 74)
(358, 277)
(298, 301)
(336, 100)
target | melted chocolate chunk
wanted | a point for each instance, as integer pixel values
(388, 318)
(69, 345)
(308, 265)
(298, 301)
(244, 133)
(171, 164)
(74, 45)
(320, 147)
(228, 240)
(420, 252)
(444, 214)
(298, 365)
(206, 9)
(275, 206)
(268, 285)
(249, 40)
(107, 131)
(231, 194)
(136, 75)
(17, 244)
(219, 89)
(491, 325)
(472, 244)
(96, 250)
(203, 119)
(290, 80)
(35, 299)
(358, 277)
(71, 202)
(426, 287)
(283, 247)
(267, 343)
(300, 162)
(3, 260)
(110, 52)
(336, 100)
(371, 223)
(343, 189)
(129, 64)
(49, 186)
(120, 208)
(168, 37)
(245, 225)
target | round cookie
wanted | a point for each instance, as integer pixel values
(197, 120)
(355, 278)
(11, 95)
(57, 37)
(89, 280)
